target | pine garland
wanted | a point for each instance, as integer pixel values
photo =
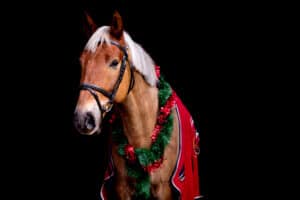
(141, 161)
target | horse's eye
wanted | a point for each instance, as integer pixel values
(114, 63)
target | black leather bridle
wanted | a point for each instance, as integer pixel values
(111, 95)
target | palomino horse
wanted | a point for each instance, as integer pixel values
(154, 145)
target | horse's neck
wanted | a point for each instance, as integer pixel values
(139, 113)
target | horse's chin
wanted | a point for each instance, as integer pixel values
(96, 131)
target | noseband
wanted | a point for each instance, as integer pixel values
(93, 89)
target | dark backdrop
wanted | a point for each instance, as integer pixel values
(50, 159)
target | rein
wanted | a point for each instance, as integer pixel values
(93, 89)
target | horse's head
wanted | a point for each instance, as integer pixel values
(106, 76)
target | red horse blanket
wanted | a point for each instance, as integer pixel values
(185, 178)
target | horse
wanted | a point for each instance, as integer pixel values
(153, 143)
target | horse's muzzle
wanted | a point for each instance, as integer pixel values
(86, 123)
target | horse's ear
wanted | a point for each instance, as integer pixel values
(89, 26)
(116, 28)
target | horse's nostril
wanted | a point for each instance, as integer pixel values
(89, 123)
(85, 123)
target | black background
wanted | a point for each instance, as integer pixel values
(47, 158)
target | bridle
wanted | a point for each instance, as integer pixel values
(93, 89)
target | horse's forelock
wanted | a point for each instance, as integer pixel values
(141, 60)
